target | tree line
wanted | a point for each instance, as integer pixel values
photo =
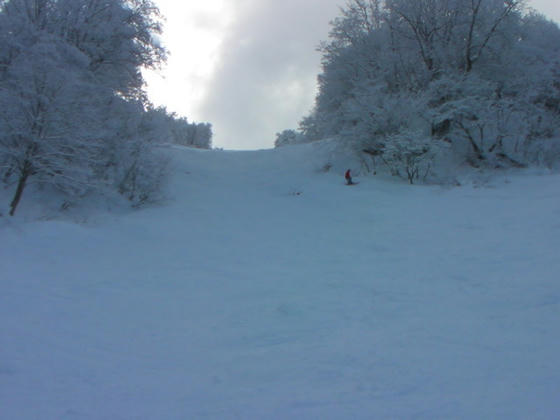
(74, 115)
(422, 84)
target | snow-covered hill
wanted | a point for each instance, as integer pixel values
(267, 289)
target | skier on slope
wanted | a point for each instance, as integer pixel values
(348, 177)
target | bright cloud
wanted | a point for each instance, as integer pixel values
(193, 34)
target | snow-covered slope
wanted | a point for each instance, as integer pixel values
(267, 289)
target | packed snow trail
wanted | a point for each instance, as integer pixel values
(266, 289)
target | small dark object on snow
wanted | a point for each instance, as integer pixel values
(348, 177)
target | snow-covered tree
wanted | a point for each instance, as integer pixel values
(198, 135)
(287, 137)
(72, 107)
(479, 75)
(118, 36)
(172, 128)
(48, 119)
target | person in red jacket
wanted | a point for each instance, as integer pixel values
(348, 177)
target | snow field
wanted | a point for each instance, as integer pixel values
(267, 289)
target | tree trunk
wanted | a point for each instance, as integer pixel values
(478, 151)
(19, 190)
(8, 174)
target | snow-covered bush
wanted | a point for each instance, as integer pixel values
(133, 164)
(409, 156)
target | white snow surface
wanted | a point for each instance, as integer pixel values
(267, 289)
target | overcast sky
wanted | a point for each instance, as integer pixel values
(249, 67)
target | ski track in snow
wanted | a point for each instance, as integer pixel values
(266, 289)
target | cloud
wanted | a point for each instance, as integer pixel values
(265, 80)
(547, 7)
(193, 33)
